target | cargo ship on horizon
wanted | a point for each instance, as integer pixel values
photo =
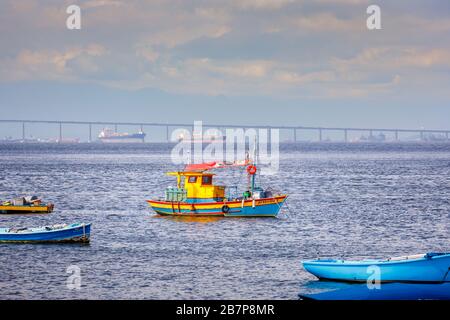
(109, 136)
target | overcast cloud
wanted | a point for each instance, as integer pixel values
(317, 52)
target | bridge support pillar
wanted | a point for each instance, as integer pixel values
(345, 135)
(320, 135)
(167, 134)
(90, 132)
(60, 132)
(115, 128)
(396, 135)
(23, 131)
(222, 132)
(295, 135)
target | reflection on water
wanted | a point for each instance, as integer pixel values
(189, 219)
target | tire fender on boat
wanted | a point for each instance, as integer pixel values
(225, 208)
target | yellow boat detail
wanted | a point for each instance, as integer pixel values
(22, 206)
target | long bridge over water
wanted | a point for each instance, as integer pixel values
(168, 126)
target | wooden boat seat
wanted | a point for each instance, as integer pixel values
(411, 257)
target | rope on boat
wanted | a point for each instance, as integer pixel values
(287, 207)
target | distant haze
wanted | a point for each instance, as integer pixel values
(311, 63)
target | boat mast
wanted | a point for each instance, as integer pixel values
(255, 161)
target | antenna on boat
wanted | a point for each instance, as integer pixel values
(255, 162)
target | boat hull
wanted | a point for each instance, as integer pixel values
(79, 232)
(267, 207)
(423, 270)
(10, 209)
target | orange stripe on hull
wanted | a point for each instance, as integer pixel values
(202, 205)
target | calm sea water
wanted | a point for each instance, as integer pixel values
(346, 200)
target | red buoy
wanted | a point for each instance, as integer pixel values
(251, 170)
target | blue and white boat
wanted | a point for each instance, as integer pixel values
(77, 232)
(423, 268)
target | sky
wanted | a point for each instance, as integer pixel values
(278, 62)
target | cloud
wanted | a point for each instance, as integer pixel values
(328, 22)
(262, 4)
(102, 3)
(343, 2)
(173, 37)
(234, 69)
(22, 6)
(395, 58)
(49, 64)
(278, 4)
(262, 47)
(147, 52)
(362, 90)
(424, 58)
(312, 77)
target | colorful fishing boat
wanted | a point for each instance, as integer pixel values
(77, 232)
(426, 268)
(196, 195)
(25, 205)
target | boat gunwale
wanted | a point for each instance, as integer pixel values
(360, 263)
(284, 196)
(359, 281)
(78, 226)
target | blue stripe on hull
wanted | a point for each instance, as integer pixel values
(269, 210)
(205, 200)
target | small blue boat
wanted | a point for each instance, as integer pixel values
(424, 268)
(388, 291)
(77, 232)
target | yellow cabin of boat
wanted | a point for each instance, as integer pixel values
(199, 186)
